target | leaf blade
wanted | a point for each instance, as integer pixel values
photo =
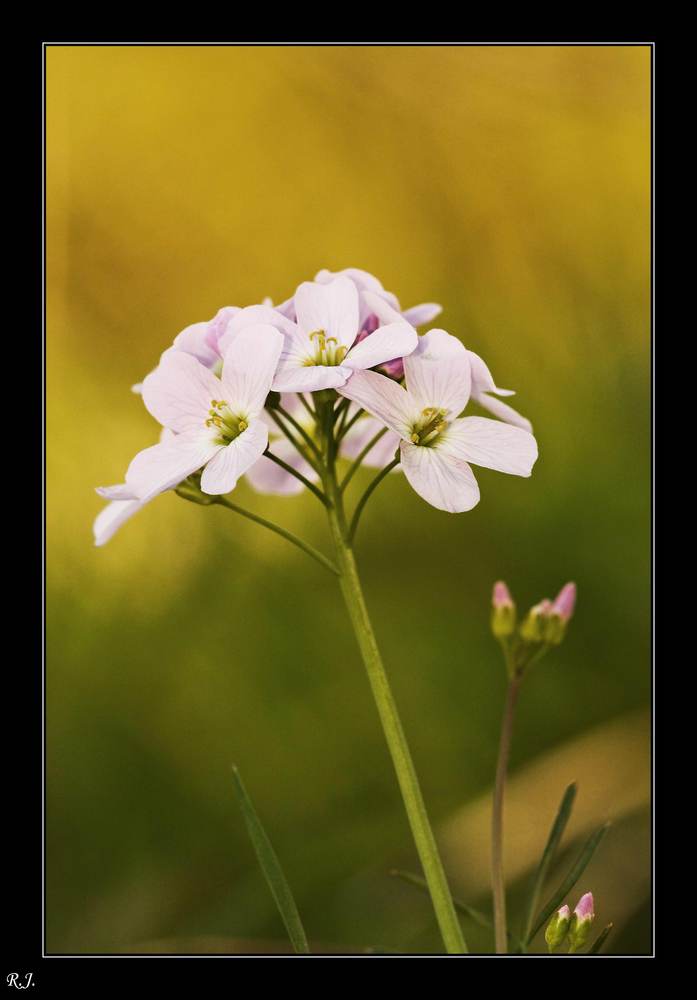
(553, 840)
(600, 940)
(575, 872)
(271, 868)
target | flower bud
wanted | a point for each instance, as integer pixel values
(565, 602)
(581, 920)
(560, 613)
(533, 627)
(557, 928)
(502, 611)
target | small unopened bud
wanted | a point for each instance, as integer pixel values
(560, 613)
(565, 602)
(533, 627)
(502, 611)
(581, 920)
(557, 928)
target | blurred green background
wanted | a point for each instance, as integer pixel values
(512, 185)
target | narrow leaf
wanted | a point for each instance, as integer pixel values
(600, 940)
(271, 867)
(571, 879)
(555, 835)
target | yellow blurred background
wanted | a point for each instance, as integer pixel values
(512, 185)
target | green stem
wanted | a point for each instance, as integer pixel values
(346, 425)
(497, 876)
(298, 475)
(392, 727)
(300, 429)
(364, 499)
(301, 397)
(288, 535)
(359, 458)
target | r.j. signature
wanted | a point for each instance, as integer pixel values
(15, 980)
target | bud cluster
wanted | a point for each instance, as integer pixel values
(544, 625)
(573, 928)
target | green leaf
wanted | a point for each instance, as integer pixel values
(555, 835)
(271, 867)
(600, 940)
(571, 879)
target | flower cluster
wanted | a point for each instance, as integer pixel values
(544, 625)
(248, 393)
(571, 927)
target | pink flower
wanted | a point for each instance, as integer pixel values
(217, 421)
(321, 350)
(565, 602)
(436, 447)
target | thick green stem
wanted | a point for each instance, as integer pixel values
(392, 727)
(497, 875)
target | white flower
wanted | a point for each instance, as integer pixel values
(320, 349)
(436, 446)
(217, 422)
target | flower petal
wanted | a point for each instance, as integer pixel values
(332, 308)
(444, 481)
(109, 520)
(382, 397)
(249, 367)
(363, 280)
(491, 444)
(179, 392)
(424, 313)
(233, 460)
(259, 315)
(386, 311)
(266, 476)
(385, 344)
(502, 410)
(482, 379)
(119, 492)
(295, 377)
(438, 372)
(164, 466)
(194, 340)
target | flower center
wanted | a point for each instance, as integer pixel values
(430, 425)
(228, 425)
(328, 350)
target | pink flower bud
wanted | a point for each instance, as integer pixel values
(564, 913)
(584, 907)
(501, 598)
(565, 602)
(503, 614)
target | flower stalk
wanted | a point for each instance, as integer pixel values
(497, 872)
(352, 592)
